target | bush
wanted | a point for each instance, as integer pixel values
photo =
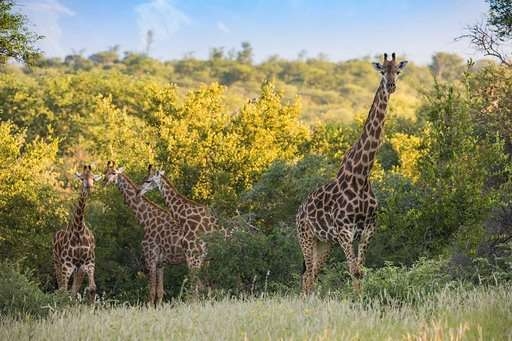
(20, 295)
(253, 262)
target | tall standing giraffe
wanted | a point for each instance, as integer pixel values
(74, 246)
(343, 211)
(193, 218)
(163, 237)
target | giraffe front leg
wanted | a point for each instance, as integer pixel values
(78, 277)
(65, 273)
(58, 274)
(348, 250)
(366, 236)
(152, 279)
(91, 288)
(160, 287)
(194, 263)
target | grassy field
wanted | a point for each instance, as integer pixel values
(477, 314)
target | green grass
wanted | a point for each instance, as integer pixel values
(454, 314)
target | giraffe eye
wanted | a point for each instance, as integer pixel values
(382, 73)
(398, 72)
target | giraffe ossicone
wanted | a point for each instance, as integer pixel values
(343, 211)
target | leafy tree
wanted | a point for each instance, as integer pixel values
(500, 17)
(447, 66)
(455, 169)
(16, 41)
(30, 204)
(108, 57)
(245, 55)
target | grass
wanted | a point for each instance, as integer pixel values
(452, 314)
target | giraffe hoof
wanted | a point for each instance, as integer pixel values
(91, 294)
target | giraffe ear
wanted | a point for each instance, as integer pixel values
(98, 177)
(120, 170)
(78, 175)
(161, 172)
(378, 66)
(402, 64)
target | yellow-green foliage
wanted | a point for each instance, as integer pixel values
(408, 149)
(227, 151)
(30, 205)
(228, 137)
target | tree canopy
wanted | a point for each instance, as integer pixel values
(16, 40)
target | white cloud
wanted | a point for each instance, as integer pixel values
(222, 27)
(161, 17)
(45, 15)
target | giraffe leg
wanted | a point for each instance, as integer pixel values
(78, 277)
(322, 253)
(194, 263)
(58, 274)
(348, 250)
(91, 289)
(366, 236)
(152, 277)
(308, 246)
(160, 286)
(65, 275)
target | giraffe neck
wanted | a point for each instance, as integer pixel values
(137, 203)
(176, 202)
(77, 224)
(360, 158)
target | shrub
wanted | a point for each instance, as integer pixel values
(253, 262)
(20, 295)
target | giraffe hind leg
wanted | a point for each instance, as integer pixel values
(322, 251)
(307, 245)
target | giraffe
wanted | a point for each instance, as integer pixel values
(343, 211)
(74, 246)
(163, 241)
(193, 218)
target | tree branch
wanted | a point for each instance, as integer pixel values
(484, 40)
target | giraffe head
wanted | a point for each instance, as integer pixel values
(87, 178)
(390, 70)
(153, 180)
(112, 173)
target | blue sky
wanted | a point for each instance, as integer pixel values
(340, 29)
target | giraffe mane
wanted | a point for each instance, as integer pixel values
(146, 200)
(190, 201)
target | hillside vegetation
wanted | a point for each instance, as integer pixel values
(251, 140)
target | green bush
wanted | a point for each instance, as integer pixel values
(20, 295)
(253, 262)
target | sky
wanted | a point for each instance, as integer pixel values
(342, 29)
